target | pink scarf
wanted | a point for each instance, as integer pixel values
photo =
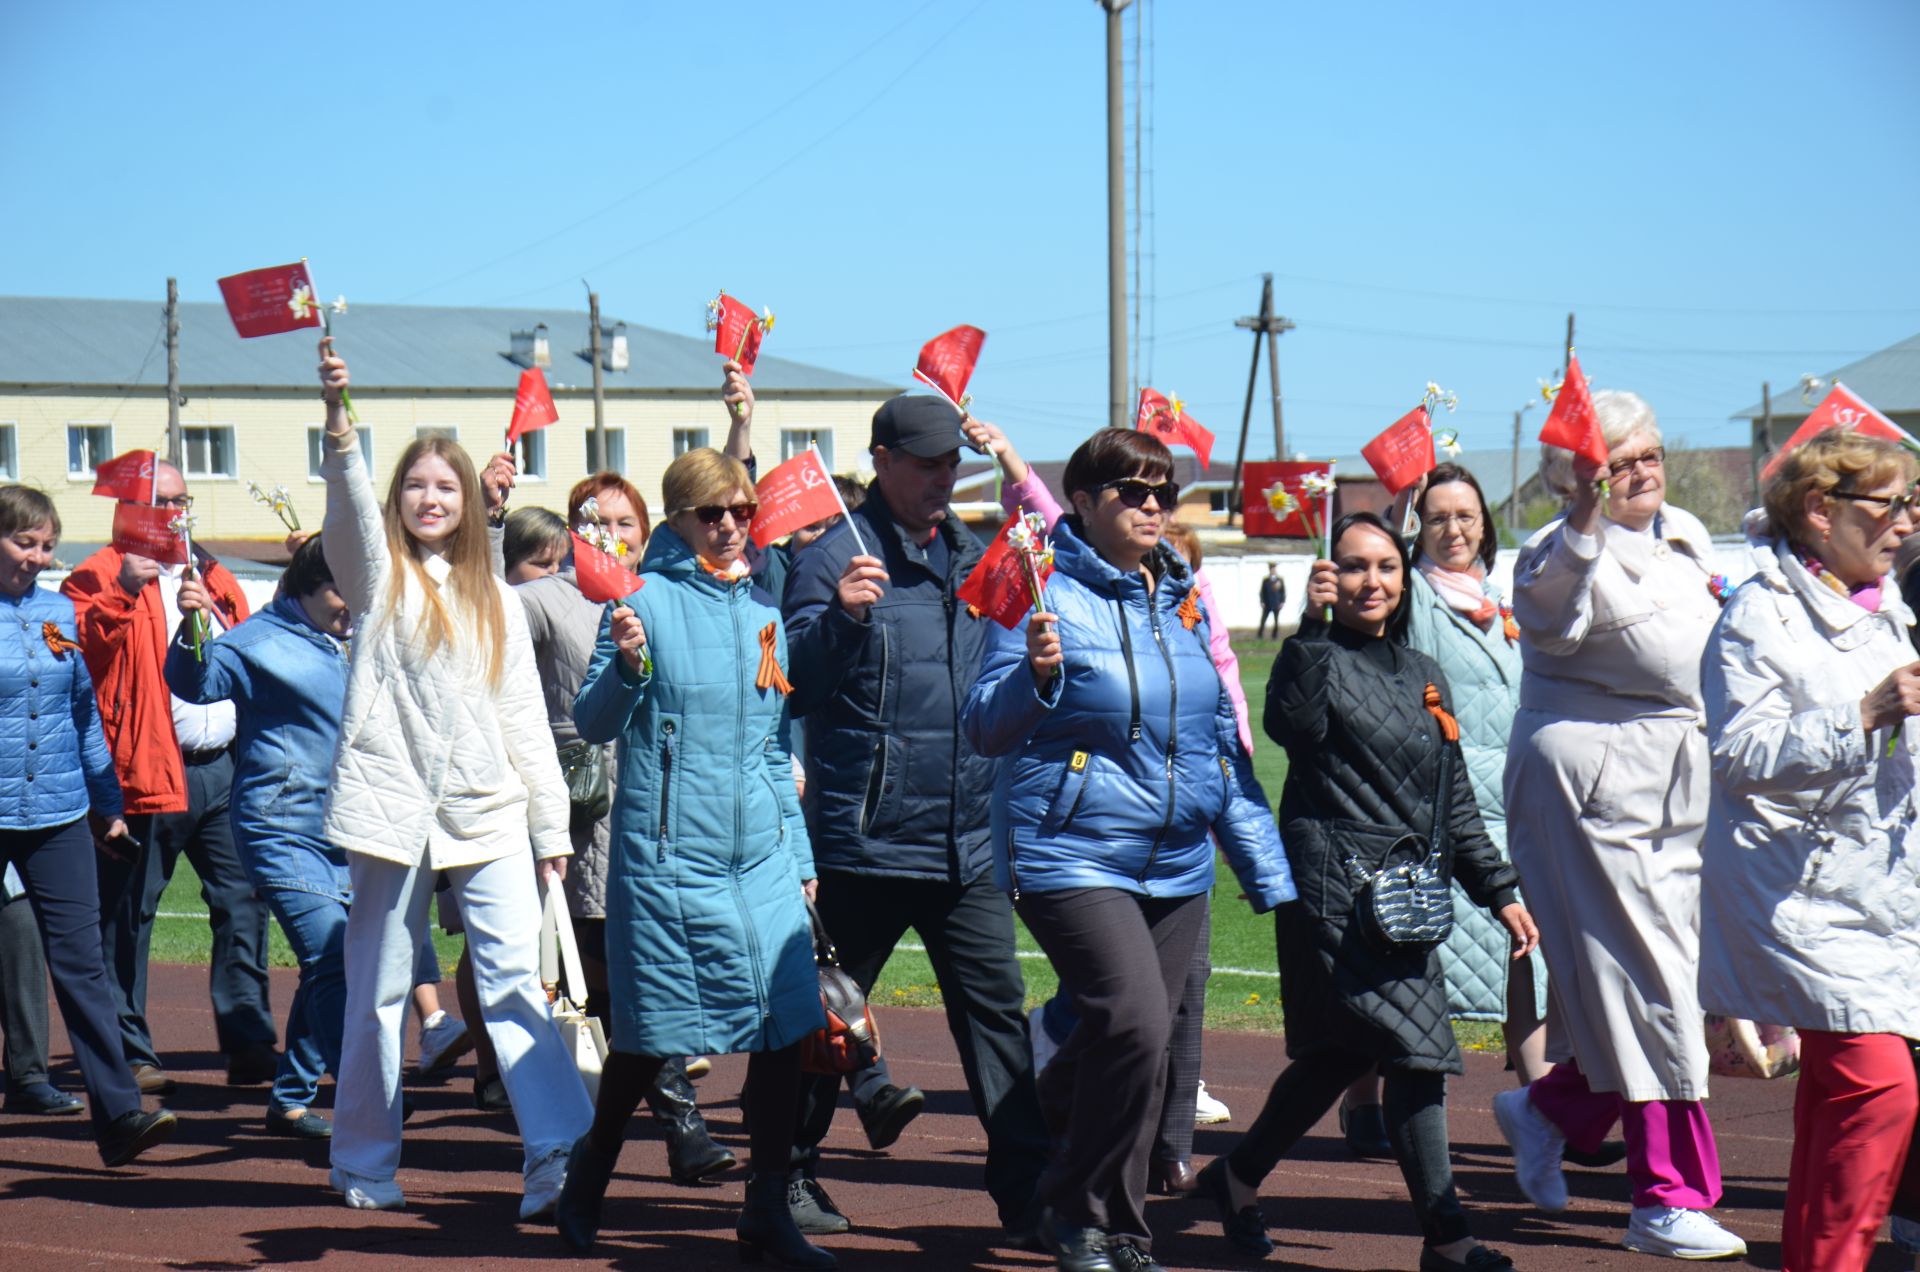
(1464, 590)
(1867, 597)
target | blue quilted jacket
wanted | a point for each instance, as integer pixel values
(54, 765)
(1123, 773)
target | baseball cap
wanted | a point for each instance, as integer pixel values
(919, 424)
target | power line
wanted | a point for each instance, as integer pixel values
(1585, 305)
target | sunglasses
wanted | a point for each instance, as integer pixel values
(1133, 492)
(710, 514)
(1890, 506)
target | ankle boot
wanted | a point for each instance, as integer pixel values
(589, 1171)
(767, 1230)
(692, 1154)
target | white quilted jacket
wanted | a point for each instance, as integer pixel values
(433, 764)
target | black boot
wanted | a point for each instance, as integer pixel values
(766, 1228)
(1075, 1249)
(589, 1171)
(691, 1153)
(131, 1134)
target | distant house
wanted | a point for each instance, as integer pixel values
(84, 380)
(1888, 380)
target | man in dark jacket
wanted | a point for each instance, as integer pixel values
(883, 654)
(1273, 595)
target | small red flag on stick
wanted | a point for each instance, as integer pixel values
(1403, 454)
(1573, 424)
(797, 493)
(1168, 420)
(737, 330)
(1841, 408)
(146, 530)
(266, 302)
(532, 406)
(600, 575)
(1004, 585)
(128, 476)
(947, 361)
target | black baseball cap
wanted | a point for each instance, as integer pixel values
(919, 424)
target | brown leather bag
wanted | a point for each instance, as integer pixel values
(850, 1041)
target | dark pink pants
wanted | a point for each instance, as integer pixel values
(1671, 1157)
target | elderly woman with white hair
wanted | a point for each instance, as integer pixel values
(1606, 792)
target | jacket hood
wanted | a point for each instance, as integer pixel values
(1074, 557)
(287, 612)
(669, 555)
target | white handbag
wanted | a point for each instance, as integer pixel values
(580, 1033)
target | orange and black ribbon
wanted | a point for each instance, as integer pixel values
(770, 676)
(58, 643)
(1449, 727)
(1189, 610)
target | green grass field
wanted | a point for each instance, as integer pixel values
(1243, 994)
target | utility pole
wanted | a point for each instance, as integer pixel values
(1513, 491)
(1272, 326)
(173, 372)
(1764, 443)
(599, 390)
(1246, 412)
(1569, 349)
(1117, 404)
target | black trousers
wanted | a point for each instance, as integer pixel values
(130, 899)
(1126, 959)
(1265, 615)
(1185, 1049)
(57, 865)
(23, 994)
(1415, 1107)
(968, 932)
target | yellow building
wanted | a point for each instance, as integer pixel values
(84, 380)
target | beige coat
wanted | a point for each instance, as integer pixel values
(1606, 790)
(433, 764)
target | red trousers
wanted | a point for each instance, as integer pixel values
(1852, 1119)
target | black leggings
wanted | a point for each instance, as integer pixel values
(1415, 1107)
(773, 1086)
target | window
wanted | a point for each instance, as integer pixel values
(207, 449)
(448, 431)
(88, 446)
(616, 451)
(686, 439)
(9, 456)
(795, 440)
(317, 447)
(533, 455)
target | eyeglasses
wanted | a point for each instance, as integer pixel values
(710, 514)
(1652, 459)
(1440, 521)
(1890, 506)
(174, 501)
(1133, 492)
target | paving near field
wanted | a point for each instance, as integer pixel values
(224, 1196)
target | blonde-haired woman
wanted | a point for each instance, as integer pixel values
(445, 767)
(1606, 794)
(1810, 887)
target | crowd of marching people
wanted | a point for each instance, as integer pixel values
(1627, 796)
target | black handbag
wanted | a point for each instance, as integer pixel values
(584, 766)
(850, 1040)
(1405, 903)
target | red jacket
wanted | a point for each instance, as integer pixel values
(124, 640)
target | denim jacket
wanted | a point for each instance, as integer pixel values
(288, 682)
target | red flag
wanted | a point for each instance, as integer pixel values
(947, 361)
(142, 529)
(128, 476)
(1404, 453)
(1167, 420)
(266, 302)
(797, 493)
(1841, 408)
(737, 332)
(532, 406)
(998, 585)
(1259, 518)
(1572, 424)
(600, 575)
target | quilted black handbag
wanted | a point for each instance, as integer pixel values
(1405, 903)
(584, 766)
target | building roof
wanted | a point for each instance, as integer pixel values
(1889, 380)
(92, 344)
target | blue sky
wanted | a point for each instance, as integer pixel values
(1724, 192)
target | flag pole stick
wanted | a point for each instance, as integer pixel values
(346, 398)
(845, 512)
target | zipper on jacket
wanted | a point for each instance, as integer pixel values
(1173, 730)
(737, 603)
(1133, 679)
(1013, 865)
(666, 782)
(880, 710)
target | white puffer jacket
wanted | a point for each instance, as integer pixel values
(432, 762)
(1810, 900)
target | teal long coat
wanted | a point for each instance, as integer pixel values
(708, 945)
(1483, 670)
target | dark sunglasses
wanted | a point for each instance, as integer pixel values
(1133, 492)
(710, 514)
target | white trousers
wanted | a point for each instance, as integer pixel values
(385, 924)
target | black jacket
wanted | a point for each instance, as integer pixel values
(892, 786)
(1362, 750)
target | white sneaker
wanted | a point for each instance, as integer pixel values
(1208, 1111)
(546, 1175)
(1044, 1048)
(1680, 1234)
(443, 1039)
(362, 1193)
(1537, 1145)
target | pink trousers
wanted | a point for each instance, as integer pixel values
(1671, 1157)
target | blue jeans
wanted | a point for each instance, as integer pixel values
(316, 928)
